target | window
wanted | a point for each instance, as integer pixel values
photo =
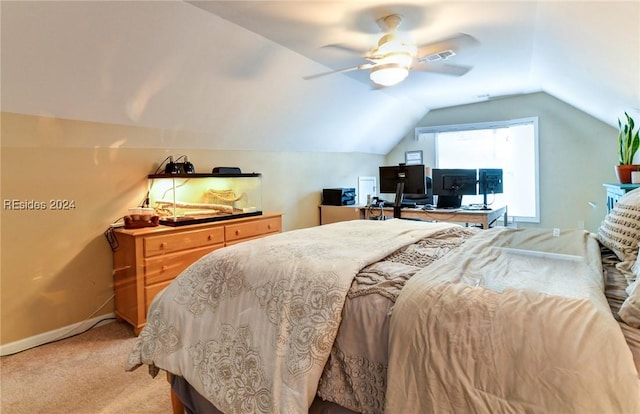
(510, 145)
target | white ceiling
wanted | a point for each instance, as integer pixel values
(232, 73)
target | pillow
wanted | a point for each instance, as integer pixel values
(620, 231)
(630, 309)
(635, 269)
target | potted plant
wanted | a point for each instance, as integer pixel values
(628, 143)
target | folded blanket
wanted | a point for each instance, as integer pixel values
(517, 322)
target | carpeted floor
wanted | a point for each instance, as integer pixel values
(84, 374)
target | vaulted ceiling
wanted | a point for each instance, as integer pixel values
(232, 73)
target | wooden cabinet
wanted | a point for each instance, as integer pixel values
(148, 259)
(616, 191)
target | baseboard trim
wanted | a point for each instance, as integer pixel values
(57, 334)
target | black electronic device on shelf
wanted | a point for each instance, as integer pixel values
(451, 184)
(185, 167)
(226, 170)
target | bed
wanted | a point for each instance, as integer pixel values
(403, 316)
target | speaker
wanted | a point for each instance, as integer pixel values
(226, 170)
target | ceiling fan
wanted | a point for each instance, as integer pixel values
(390, 62)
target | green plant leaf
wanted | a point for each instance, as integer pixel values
(628, 140)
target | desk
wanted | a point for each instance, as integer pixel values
(332, 214)
(485, 218)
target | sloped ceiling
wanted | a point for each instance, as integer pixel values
(232, 73)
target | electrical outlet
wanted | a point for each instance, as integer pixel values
(556, 232)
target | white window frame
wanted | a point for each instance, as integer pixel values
(420, 131)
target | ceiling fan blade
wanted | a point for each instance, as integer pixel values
(343, 70)
(373, 58)
(442, 68)
(456, 42)
(346, 48)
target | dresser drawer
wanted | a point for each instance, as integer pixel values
(166, 267)
(251, 229)
(150, 292)
(168, 243)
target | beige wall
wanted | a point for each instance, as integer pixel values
(577, 154)
(56, 265)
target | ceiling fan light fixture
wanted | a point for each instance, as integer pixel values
(400, 58)
(392, 68)
(388, 74)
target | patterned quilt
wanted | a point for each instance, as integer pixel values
(251, 326)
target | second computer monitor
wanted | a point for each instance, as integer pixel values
(490, 180)
(451, 184)
(454, 182)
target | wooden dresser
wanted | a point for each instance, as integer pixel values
(148, 259)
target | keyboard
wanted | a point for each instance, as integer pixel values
(403, 205)
(474, 207)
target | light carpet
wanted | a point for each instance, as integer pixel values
(84, 374)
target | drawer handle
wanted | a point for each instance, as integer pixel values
(269, 226)
(209, 237)
(163, 245)
(164, 268)
(237, 232)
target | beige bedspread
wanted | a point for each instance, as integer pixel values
(250, 327)
(536, 335)
(355, 376)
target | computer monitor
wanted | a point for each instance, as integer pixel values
(451, 184)
(388, 179)
(417, 186)
(489, 182)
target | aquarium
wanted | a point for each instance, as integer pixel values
(179, 199)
